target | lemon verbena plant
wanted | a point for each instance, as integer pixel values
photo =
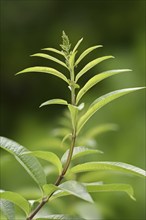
(79, 116)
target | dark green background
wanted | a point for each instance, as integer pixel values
(26, 27)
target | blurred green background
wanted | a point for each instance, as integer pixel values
(29, 25)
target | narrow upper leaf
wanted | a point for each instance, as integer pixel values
(106, 165)
(77, 45)
(7, 209)
(95, 79)
(54, 50)
(79, 152)
(16, 199)
(48, 156)
(102, 101)
(86, 52)
(76, 189)
(46, 56)
(91, 65)
(44, 70)
(54, 101)
(96, 187)
(30, 163)
(73, 112)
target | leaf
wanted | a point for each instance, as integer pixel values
(76, 189)
(74, 113)
(7, 209)
(77, 45)
(71, 64)
(54, 101)
(79, 152)
(86, 52)
(54, 50)
(95, 79)
(96, 187)
(49, 189)
(102, 101)
(17, 199)
(106, 165)
(29, 163)
(46, 56)
(59, 217)
(91, 65)
(48, 156)
(44, 70)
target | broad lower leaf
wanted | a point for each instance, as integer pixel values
(47, 70)
(17, 199)
(76, 189)
(46, 56)
(86, 52)
(54, 50)
(59, 217)
(102, 101)
(91, 65)
(77, 45)
(79, 152)
(96, 187)
(7, 209)
(106, 165)
(54, 101)
(29, 162)
(48, 156)
(95, 79)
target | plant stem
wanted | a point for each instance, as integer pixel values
(60, 177)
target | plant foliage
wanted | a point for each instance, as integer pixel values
(79, 117)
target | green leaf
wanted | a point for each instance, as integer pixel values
(46, 56)
(54, 50)
(71, 64)
(102, 101)
(54, 101)
(95, 79)
(44, 70)
(74, 113)
(48, 156)
(91, 65)
(96, 187)
(29, 163)
(77, 45)
(76, 189)
(7, 209)
(59, 217)
(79, 152)
(106, 165)
(86, 52)
(17, 199)
(49, 189)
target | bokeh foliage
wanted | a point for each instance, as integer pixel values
(28, 26)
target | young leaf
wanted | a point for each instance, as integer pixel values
(76, 189)
(79, 152)
(46, 56)
(48, 156)
(17, 200)
(44, 70)
(106, 165)
(86, 52)
(7, 209)
(91, 65)
(102, 101)
(29, 163)
(54, 101)
(54, 50)
(95, 79)
(77, 45)
(96, 187)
